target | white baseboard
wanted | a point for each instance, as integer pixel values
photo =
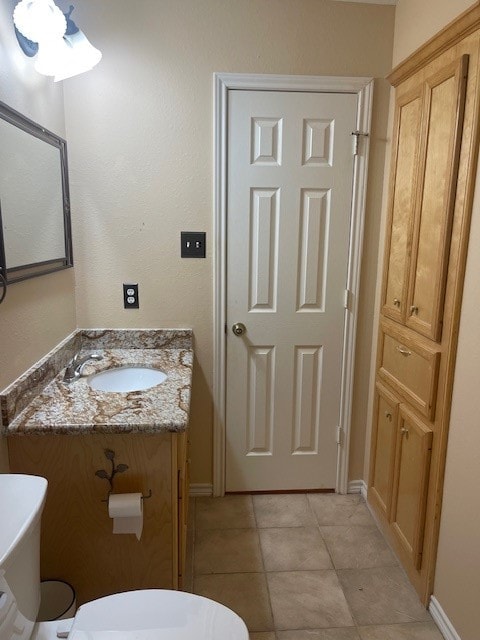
(358, 486)
(441, 620)
(201, 490)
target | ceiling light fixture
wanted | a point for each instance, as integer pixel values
(62, 49)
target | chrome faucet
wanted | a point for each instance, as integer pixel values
(76, 364)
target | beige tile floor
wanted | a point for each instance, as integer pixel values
(302, 567)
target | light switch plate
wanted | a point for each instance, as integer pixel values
(193, 244)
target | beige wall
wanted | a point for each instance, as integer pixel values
(416, 21)
(140, 133)
(457, 580)
(36, 314)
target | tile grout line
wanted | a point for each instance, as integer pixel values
(320, 532)
(263, 566)
(335, 569)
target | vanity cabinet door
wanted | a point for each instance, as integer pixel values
(78, 544)
(444, 103)
(383, 448)
(410, 484)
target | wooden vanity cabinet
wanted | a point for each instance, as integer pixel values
(77, 543)
(433, 169)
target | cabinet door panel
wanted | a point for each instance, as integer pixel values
(401, 204)
(383, 448)
(412, 467)
(77, 543)
(443, 113)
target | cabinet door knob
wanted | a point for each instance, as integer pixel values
(404, 351)
(413, 310)
(404, 431)
(388, 415)
(396, 302)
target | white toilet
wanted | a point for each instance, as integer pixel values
(153, 614)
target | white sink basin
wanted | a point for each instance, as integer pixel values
(125, 379)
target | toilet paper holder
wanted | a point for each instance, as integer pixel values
(149, 495)
(120, 468)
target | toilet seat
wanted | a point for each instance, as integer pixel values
(156, 614)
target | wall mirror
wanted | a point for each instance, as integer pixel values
(35, 229)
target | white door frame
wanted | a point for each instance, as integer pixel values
(223, 83)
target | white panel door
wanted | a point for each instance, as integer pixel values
(290, 175)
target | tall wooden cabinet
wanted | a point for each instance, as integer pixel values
(433, 166)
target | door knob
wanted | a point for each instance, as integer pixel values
(239, 328)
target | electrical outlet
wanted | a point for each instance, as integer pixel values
(193, 244)
(130, 296)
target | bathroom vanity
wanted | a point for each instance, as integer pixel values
(68, 432)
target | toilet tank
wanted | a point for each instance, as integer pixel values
(22, 499)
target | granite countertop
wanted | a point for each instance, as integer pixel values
(69, 409)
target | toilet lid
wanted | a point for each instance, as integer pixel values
(156, 614)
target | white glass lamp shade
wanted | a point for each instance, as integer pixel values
(59, 55)
(39, 20)
(82, 56)
(50, 52)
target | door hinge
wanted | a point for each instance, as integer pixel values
(340, 436)
(348, 300)
(356, 135)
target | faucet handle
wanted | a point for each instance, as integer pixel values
(79, 356)
(94, 356)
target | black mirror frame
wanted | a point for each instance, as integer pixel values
(22, 272)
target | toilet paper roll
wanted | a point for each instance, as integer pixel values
(126, 509)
